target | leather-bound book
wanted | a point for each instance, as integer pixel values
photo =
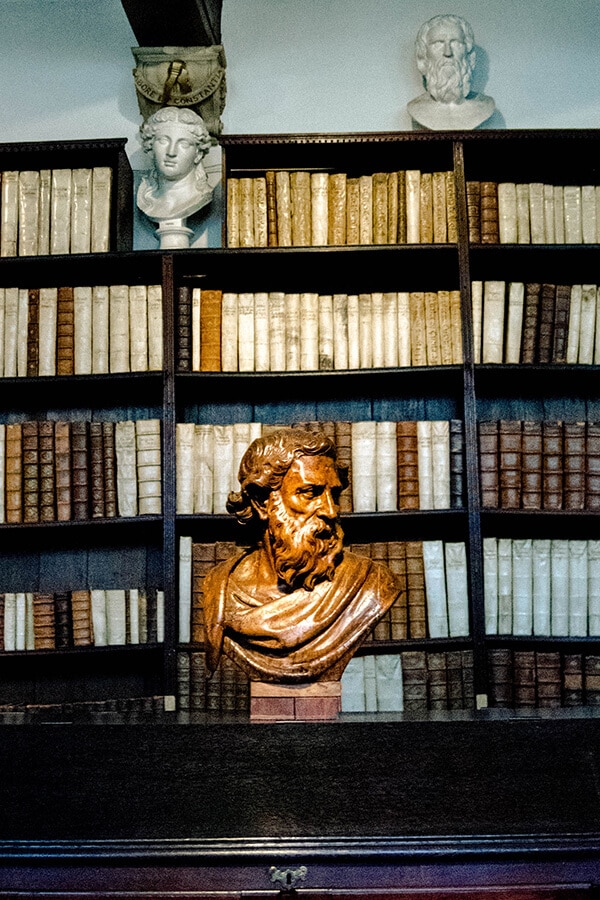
(184, 329)
(31, 472)
(14, 473)
(259, 203)
(530, 322)
(183, 681)
(572, 679)
(279, 208)
(65, 332)
(488, 213)
(352, 211)
(81, 611)
(319, 207)
(365, 207)
(44, 627)
(473, 212)
(337, 208)
(574, 465)
(546, 323)
(401, 236)
(440, 225)
(246, 212)
(415, 575)
(382, 630)
(437, 681)
(271, 187)
(592, 465)
(62, 471)
(380, 207)
(524, 673)
(531, 465)
(426, 208)
(198, 678)
(591, 668)
(110, 469)
(414, 680)
(47, 476)
(210, 330)
(452, 224)
(500, 672)
(488, 464)
(203, 559)
(510, 453)
(392, 207)
(63, 620)
(548, 679)
(97, 470)
(396, 560)
(561, 323)
(33, 312)
(80, 471)
(301, 208)
(408, 465)
(457, 464)
(343, 443)
(552, 465)
(454, 679)
(233, 212)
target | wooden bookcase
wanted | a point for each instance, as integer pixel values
(71, 552)
(480, 803)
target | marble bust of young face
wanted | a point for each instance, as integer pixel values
(176, 186)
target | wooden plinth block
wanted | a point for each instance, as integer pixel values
(294, 702)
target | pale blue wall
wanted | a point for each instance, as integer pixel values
(296, 65)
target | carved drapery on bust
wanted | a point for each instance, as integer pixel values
(296, 606)
(445, 55)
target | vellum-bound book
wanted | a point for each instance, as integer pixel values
(435, 588)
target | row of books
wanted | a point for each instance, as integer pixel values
(276, 331)
(80, 330)
(397, 465)
(225, 693)
(539, 465)
(541, 586)
(533, 213)
(432, 576)
(300, 208)
(53, 211)
(43, 620)
(61, 471)
(535, 322)
(117, 710)
(543, 679)
(412, 681)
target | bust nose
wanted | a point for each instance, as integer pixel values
(328, 508)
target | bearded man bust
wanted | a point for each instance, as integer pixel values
(295, 606)
(445, 55)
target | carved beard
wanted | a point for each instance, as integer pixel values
(302, 554)
(448, 79)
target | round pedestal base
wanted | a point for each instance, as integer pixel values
(173, 234)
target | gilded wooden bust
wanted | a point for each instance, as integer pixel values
(295, 606)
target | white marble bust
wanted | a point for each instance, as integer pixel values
(176, 186)
(446, 58)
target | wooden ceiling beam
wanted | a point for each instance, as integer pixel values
(175, 23)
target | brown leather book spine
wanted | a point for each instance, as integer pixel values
(14, 473)
(574, 465)
(408, 465)
(33, 332)
(81, 608)
(352, 211)
(561, 323)
(414, 680)
(110, 470)
(271, 209)
(65, 331)
(343, 443)
(151, 617)
(415, 572)
(548, 679)
(524, 674)
(31, 472)
(454, 679)
(510, 452)
(592, 466)
(96, 438)
(184, 329)
(63, 620)
(47, 481)
(392, 208)
(203, 559)
(396, 551)
(488, 212)
(572, 679)
(336, 226)
(530, 322)
(473, 204)
(591, 675)
(198, 679)
(552, 465)
(546, 323)
(62, 470)
(183, 681)
(437, 681)
(451, 207)
(44, 627)
(531, 465)
(383, 629)
(501, 682)
(488, 464)
(401, 236)
(80, 471)
(210, 330)
(457, 464)
(426, 207)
